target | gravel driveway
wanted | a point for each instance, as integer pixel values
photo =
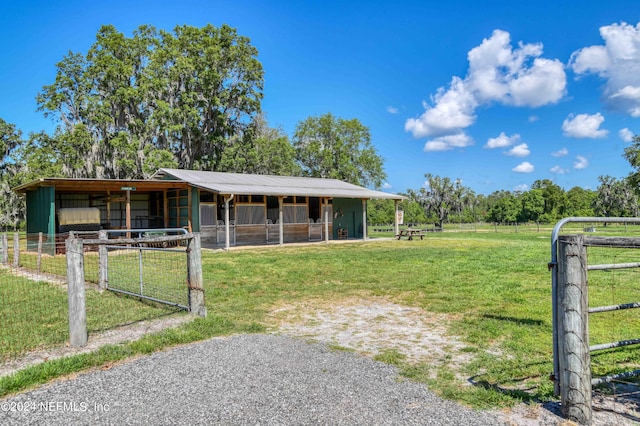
(244, 379)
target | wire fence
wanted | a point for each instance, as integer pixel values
(33, 294)
(385, 230)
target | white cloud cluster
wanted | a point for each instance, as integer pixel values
(502, 141)
(521, 150)
(525, 167)
(497, 73)
(558, 170)
(626, 135)
(392, 110)
(560, 153)
(446, 143)
(618, 62)
(584, 126)
(580, 163)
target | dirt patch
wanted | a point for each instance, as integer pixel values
(371, 326)
(113, 336)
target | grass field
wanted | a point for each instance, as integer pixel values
(493, 286)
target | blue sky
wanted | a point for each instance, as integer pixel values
(496, 93)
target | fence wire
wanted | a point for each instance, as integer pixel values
(157, 274)
(33, 294)
(610, 287)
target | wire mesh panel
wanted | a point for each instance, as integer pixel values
(33, 314)
(156, 274)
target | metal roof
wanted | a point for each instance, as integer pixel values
(246, 184)
(84, 185)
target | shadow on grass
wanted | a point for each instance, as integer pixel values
(519, 394)
(166, 312)
(521, 321)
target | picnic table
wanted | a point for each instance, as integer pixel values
(410, 233)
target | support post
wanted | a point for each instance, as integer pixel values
(326, 220)
(281, 219)
(75, 292)
(573, 330)
(103, 261)
(364, 219)
(226, 222)
(396, 225)
(16, 250)
(128, 212)
(5, 249)
(197, 304)
(189, 209)
(39, 260)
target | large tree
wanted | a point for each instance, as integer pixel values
(441, 197)
(532, 206)
(261, 150)
(11, 205)
(157, 98)
(505, 207)
(332, 147)
(615, 198)
(632, 154)
(553, 196)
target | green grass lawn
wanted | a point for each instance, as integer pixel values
(494, 287)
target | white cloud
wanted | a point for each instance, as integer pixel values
(584, 126)
(453, 111)
(525, 167)
(497, 73)
(502, 141)
(626, 135)
(618, 62)
(580, 163)
(392, 110)
(521, 150)
(558, 170)
(533, 118)
(519, 77)
(521, 188)
(386, 185)
(446, 143)
(560, 153)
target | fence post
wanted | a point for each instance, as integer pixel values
(103, 262)
(196, 291)
(5, 249)
(75, 292)
(573, 330)
(16, 250)
(39, 261)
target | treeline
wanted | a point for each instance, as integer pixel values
(191, 99)
(447, 201)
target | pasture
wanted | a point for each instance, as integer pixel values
(491, 293)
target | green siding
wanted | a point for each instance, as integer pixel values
(195, 210)
(41, 213)
(349, 217)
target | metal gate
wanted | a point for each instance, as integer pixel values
(152, 265)
(151, 273)
(571, 350)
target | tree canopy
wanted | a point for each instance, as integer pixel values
(158, 98)
(337, 148)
